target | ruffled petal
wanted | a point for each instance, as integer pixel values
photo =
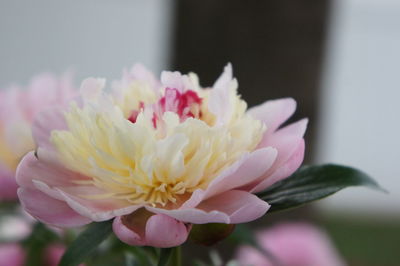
(49, 210)
(96, 210)
(234, 206)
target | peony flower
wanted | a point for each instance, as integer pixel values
(17, 111)
(158, 156)
(291, 244)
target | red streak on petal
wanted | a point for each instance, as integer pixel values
(180, 103)
(186, 104)
(135, 113)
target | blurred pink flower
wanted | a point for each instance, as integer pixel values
(17, 111)
(11, 254)
(158, 156)
(292, 244)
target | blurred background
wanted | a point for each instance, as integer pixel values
(338, 59)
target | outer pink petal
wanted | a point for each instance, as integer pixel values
(234, 206)
(31, 168)
(12, 255)
(8, 185)
(284, 170)
(97, 210)
(127, 235)
(49, 210)
(274, 113)
(163, 231)
(244, 171)
(290, 145)
(56, 182)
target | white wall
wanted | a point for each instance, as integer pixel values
(93, 37)
(361, 102)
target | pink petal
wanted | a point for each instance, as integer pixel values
(290, 145)
(163, 231)
(244, 171)
(51, 118)
(274, 113)
(130, 236)
(219, 101)
(284, 170)
(241, 206)
(234, 206)
(96, 210)
(295, 129)
(49, 210)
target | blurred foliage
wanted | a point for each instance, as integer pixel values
(365, 241)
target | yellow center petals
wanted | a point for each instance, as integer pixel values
(147, 164)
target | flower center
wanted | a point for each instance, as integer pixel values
(157, 154)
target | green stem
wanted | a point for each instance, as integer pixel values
(165, 255)
(170, 257)
(176, 257)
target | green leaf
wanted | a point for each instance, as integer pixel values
(86, 243)
(312, 183)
